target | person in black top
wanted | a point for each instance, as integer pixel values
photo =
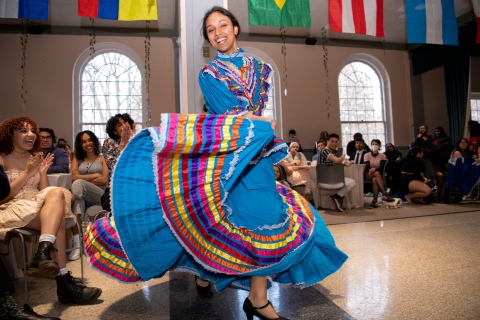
(8, 307)
(412, 181)
(440, 136)
(394, 168)
(423, 139)
(358, 156)
(439, 158)
(351, 145)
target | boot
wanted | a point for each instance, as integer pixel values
(42, 264)
(70, 290)
(28, 314)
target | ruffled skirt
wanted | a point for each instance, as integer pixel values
(199, 195)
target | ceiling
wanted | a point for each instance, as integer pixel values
(63, 13)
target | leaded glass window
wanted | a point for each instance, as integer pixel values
(362, 107)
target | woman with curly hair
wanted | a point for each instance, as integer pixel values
(33, 204)
(120, 128)
(89, 176)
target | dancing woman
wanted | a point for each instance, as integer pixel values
(210, 205)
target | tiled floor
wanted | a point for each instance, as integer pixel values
(415, 268)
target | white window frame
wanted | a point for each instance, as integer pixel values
(276, 88)
(474, 96)
(384, 79)
(81, 64)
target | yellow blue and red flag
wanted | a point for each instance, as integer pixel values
(24, 9)
(125, 10)
(431, 21)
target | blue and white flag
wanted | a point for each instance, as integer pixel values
(24, 9)
(431, 21)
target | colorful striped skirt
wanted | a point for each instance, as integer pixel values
(198, 194)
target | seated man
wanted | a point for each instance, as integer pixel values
(351, 144)
(60, 157)
(327, 156)
(358, 156)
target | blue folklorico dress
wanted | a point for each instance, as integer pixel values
(198, 194)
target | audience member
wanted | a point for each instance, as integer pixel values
(294, 156)
(69, 153)
(60, 157)
(394, 168)
(473, 146)
(423, 139)
(461, 149)
(439, 158)
(358, 156)
(327, 156)
(33, 204)
(413, 182)
(292, 134)
(323, 137)
(374, 172)
(89, 176)
(473, 128)
(351, 145)
(318, 147)
(120, 128)
(281, 174)
(440, 137)
(61, 140)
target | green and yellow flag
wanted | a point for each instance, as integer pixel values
(282, 13)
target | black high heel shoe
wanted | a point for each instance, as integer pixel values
(251, 311)
(204, 291)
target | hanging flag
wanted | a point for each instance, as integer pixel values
(431, 21)
(24, 9)
(476, 10)
(125, 10)
(282, 13)
(356, 16)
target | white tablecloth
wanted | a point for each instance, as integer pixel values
(355, 196)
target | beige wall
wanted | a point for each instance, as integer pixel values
(51, 58)
(304, 108)
(435, 100)
(50, 63)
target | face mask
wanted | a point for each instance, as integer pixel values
(375, 148)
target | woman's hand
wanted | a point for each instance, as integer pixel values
(127, 133)
(45, 164)
(372, 170)
(33, 164)
(426, 180)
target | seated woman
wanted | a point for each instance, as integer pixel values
(412, 181)
(439, 158)
(294, 157)
(281, 174)
(33, 204)
(89, 176)
(461, 150)
(374, 172)
(440, 137)
(120, 128)
(394, 157)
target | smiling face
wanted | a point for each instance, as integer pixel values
(277, 172)
(87, 143)
(221, 33)
(24, 138)
(46, 141)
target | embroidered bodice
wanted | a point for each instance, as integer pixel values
(235, 84)
(30, 189)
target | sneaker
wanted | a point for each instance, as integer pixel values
(336, 203)
(74, 254)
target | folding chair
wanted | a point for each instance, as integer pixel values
(21, 232)
(331, 176)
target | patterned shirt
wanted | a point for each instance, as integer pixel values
(324, 154)
(111, 152)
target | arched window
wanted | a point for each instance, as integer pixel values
(274, 106)
(363, 106)
(108, 83)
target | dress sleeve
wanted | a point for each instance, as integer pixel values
(218, 98)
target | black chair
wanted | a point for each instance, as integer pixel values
(332, 174)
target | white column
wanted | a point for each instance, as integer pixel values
(191, 55)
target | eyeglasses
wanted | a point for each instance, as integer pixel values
(45, 138)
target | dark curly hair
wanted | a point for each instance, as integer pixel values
(113, 121)
(7, 129)
(223, 11)
(80, 154)
(54, 138)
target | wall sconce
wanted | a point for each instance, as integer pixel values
(206, 51)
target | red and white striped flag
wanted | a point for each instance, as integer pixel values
(356, 16)
(476, 10)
